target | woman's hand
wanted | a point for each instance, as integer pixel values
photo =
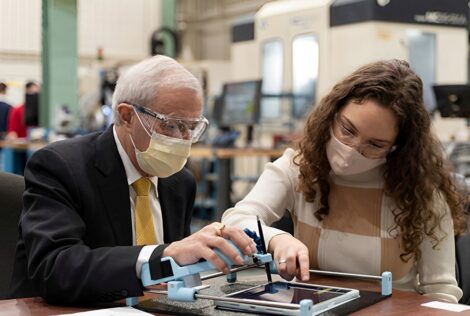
(291, 257)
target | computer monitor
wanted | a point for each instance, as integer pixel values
(453, 100)
(240, 103)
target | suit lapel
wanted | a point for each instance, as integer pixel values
(168, 196)
(112, 182)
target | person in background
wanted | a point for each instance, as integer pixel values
(17, 126)
(16, 119)
(367, 188)
(97, 207)
(5, 108)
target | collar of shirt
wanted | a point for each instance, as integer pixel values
(131, 172)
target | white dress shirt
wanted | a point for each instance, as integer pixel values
(132, 176)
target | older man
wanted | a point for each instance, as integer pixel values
(97, 207)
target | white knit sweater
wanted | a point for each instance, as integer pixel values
(358, 235)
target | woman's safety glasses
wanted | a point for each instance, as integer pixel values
(187, 129)
(345, 134)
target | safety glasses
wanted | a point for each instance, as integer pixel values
(347, 136)
(181, 128)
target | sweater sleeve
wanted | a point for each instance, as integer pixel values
(436, 268)
(272, 195)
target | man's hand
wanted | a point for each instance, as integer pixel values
(202, 244)
(291, 257)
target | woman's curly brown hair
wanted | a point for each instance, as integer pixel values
(413, 171)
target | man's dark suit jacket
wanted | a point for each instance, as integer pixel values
(75, 243)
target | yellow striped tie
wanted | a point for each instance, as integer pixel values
(144, 229)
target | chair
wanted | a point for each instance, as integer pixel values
(11, 192)
(462, 250)
(285, 223)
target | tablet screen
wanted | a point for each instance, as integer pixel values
(291, 293)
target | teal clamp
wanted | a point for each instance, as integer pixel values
(177, 289)
(272, 266)
(184, 278)
(263, 258)
(181, 284)
(179, 272)
(132, 301)
(232, 277)
(387, 283)
(259, 258)
(306, 307)
(178, 292)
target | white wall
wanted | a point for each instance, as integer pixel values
(345, 48)
(378, 40)
(205, 25)
(19, 44)
(20, 22)
(245, 61)
(121, 27)
(354, 45)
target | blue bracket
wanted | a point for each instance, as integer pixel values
(232, 277)
(387, 283)
(132, 301)
(265, 258)
(257, 258)
(178, 292)
(306, 307)
(179, 286)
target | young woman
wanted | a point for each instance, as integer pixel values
(367, 188)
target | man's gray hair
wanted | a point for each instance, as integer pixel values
(141, 83)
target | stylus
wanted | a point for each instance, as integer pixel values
(263, 247)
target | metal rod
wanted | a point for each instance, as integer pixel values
(249, 301)
(236, 300)
(217, 274)
(213, 275)
(343, 274)
(163, 292)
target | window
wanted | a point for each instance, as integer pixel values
(305, 55)
(422, 57)
(272, 75)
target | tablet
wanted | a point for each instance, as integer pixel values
(283, 298)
